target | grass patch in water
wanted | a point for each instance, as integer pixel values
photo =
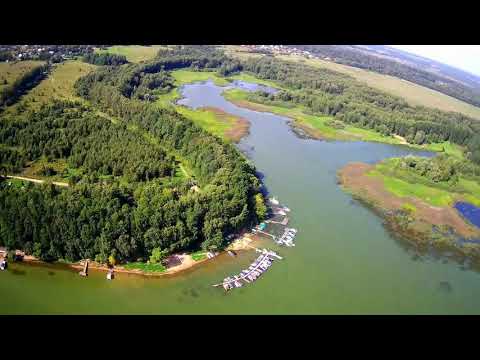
(208, 120)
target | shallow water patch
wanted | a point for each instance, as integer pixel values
(469, 212)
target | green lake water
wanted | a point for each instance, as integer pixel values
(344, 261)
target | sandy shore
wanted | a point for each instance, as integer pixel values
(175, 263)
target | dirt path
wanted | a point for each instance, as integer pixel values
(37, 181)
(354, 177)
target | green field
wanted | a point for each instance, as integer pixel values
(145, 267)
(167, 99)
(405, 183)
(133, 53)
(414, 94)
(58, 85)
(183, 77)
(199, 255)
(11, 71)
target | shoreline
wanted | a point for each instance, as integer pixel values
(317, 134)
(186, 261)
(427, 228)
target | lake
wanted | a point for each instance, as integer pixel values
(344, 261)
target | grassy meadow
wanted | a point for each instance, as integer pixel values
(58, 85)
(11, 71)
(414, 94)
(133, 53)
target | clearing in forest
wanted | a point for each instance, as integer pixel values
(11, 71)
(133, 53)
(58, 85)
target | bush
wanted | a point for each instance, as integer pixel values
(158, 255)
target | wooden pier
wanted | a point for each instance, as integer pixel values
(85, 269)
(284, 222)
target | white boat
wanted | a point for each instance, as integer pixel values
(274, 201)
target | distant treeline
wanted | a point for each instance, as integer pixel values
(11, 93)
(105, 59)
(351, 57)
(323, 91)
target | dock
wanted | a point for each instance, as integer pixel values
(257, 268)
(85, 269)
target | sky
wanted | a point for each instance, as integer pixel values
(465, 57)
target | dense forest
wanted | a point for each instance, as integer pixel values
(351, 57)
(87, 141)
(323, 91)
(149, 211)
(31, 78)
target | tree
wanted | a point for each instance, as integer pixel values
(419, 137)
(260, 208)
(112, 259)
(158, 255)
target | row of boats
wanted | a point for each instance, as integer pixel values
(287, 237)
(254, 271)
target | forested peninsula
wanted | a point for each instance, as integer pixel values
(131, 167)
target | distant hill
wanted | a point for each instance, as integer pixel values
(390, 61)
(427, 64)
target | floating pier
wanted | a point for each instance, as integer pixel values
(257, 268)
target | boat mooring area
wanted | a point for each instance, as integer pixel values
(275, 227)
